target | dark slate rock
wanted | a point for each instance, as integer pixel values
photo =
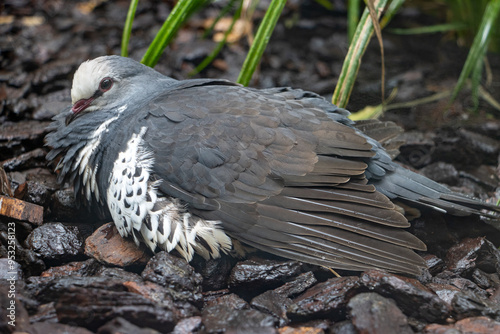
(224, 318)
(176, 274)
(473, 253)
(373, 313)
(256, 274)
(466, 304)
(55, 241)
(411, 296)
(122, 326)
(327, 299)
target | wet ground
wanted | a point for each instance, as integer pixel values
(77, 275)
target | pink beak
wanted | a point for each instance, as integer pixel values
(81, 105)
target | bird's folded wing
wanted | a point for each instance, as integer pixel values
(279, 175)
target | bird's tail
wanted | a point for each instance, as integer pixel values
(416, 189)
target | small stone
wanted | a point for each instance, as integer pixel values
(445, 291)
(327, 299)
(372, 313)
(122, 326)
(298, 285)
(188, 325)
(223, 318)
(273, 303)
(472, 253)
(55, 241)
(55, 328)
(230, 299)
(467, 304)
(107, 246)
(81, 268)
(258, 274)
(176, 274)
(478, 325)
(411, 296)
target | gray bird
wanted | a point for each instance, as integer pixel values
(190, 165)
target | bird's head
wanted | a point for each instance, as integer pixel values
(109, 82)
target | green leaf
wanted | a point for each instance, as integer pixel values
(127, 29)
(182, 10)
(352, 61)
(260, 42)
(479, 46)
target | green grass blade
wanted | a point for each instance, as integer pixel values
(479, 45)
(352, 60)
(390, 11)
(352, 17)
(429, 29)
(260, 42)
(127, 29)
(182, 10)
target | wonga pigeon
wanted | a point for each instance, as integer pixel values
(188, 165)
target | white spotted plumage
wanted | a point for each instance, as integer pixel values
(138, 210)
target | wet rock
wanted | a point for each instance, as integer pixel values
(122, 326)
(418, 150)
(60, 69)
(37, 193)
(49, 105)
(11, 310)
(92, 308)
(108, 247)
(343, 327)
(257, 274)
(176, 274)
(372, 313)
(434, 263)
(162, 296)
(31, 159)
(10, 269)
(29, 260)
(327, 299)
(188, 325)
(411, 296)
(81, 268)
(223, 318)
(476, 325)
(466, 304)
(472, 253)
(44, 313)
(232, 300)
(484, 280)
(215, 272)
(441, 172)
(298, 285)
(479, 325)
(63, 205)
(272, 303)
(55, 328)
(445, 291)
(15, 136)
(463, 284)
(55, 241)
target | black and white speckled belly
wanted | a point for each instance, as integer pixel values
(140, 210)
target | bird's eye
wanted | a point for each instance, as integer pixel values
(105, 84)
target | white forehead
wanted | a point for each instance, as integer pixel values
(87, 78)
